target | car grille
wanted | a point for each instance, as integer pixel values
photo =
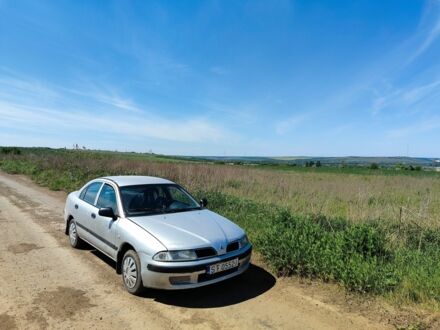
(232, 247)
(205, 252)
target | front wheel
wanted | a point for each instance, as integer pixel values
(131, 272)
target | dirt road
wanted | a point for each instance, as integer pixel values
(44, 283)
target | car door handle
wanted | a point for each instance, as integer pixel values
(93, 215)
(76, 206)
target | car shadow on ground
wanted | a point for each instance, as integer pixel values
(109, 261)
(254, 282)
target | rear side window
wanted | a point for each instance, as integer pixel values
(107, 198)
(83, 192)
(91, 192)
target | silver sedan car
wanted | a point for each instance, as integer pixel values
(158, 234)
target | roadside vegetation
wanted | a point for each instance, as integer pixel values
(371, 232)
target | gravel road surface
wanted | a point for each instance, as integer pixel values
(44, 283)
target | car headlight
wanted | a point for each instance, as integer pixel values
(182, 255)
(243, 241)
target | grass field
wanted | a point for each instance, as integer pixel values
(371, 231)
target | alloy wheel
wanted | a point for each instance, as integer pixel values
(129, 272)
(73, 235)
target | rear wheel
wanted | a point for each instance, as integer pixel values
(74, 239)
(131, 272)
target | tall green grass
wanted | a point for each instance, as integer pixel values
(362, 257)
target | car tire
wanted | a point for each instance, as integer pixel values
(131, 273)
(75, 241)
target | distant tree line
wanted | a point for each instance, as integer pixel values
(10, 151)
(313, 164)
(406, 167)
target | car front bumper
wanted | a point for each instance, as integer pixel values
(192, 274)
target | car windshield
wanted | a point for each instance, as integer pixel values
(156, 198)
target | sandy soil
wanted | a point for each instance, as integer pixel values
(44, 283)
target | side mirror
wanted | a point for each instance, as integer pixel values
(203, 202)
(107, 212)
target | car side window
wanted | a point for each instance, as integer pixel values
(107, 198)
(91, 192)
(83, 192)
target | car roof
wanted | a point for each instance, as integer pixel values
(133, 180)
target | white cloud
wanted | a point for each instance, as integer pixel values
(187, 130)
(290, 123)
(244, 113)
(416, 128)
(113, 100)
(405, 97)
(31, 113)
(116, 101)
(429, 33)
(26, 86)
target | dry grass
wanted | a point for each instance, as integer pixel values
(356, 197)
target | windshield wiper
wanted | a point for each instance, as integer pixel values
(182, 210)
(144, 211)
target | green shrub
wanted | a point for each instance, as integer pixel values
(18, 167)
(355, 256)
(420, 273)
(358, 256)
(364, 240)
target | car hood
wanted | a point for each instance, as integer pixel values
(191, 229)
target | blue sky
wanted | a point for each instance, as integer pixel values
(269, 78)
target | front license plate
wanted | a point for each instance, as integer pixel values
(221, 267)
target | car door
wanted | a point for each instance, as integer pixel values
(105, 227)
(87, 212)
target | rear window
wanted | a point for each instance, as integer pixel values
(91, 191)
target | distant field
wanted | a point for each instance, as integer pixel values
(353, 193)
(384, 162)
(370, 230)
